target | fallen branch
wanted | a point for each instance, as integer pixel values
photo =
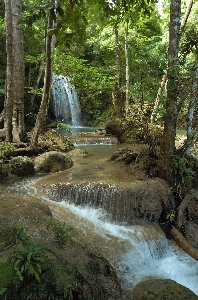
(183, 243)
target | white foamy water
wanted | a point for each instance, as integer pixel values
(139, 252)
(147, 255)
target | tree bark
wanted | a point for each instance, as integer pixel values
(41, 121)
(32, 97)
(8, 105)
(159, 93)
(14, 96)
(183, 243)
(118, 102)
(18, 124)
(186, 15)
(165, 77)
(127, 70)
(167, 150)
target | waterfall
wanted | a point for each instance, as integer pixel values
(65, 101)
(140, 252)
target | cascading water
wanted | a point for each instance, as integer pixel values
(140, 252)
(65, 101)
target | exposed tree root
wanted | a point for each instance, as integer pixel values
(183, 243)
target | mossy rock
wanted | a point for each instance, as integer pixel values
(52, 161)
(52, 140)
(21, 166)
(161, 289)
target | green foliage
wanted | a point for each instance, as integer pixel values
(68, 289)
(171, 216)
(2, 291)
(21, 166)
(6, 149)
(30, 261)
(60, 125)
(182, 169)
(14, 234)
(31, 118)
(26, 259)
(62, 232)
(38, 292)
(6, 273)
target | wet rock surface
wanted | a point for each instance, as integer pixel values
(22, 166)
(72, 265)
(159, 289)
(52, 161)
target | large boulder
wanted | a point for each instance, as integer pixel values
(52, 161)
(52, 140)
(161, 289)
(21, 166)
(124, 155)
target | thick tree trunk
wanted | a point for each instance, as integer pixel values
(165, 77)
(167, 150)
(127, 70)
(41, 121)
(117, 100)
(18, 73)
(9, 100)
(14, 101)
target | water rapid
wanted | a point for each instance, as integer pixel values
(137, 252)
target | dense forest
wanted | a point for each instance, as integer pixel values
(133, 62)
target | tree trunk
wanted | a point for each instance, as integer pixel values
(167, 150)
(41, 121)
(193, 101)
(127, 70)
(18, 73)
(157, 99)
(118, 102)
(164, 78)
(14, 96)
(32, 97)
(185, 18)
(8, 105)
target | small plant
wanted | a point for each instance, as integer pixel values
(5, 149)
(14, 234)
(68, 288)
(38, 292)
(31, 118)
(171, 216)
(30, 261)
(2, 291)
(60, 125)
(62, 232)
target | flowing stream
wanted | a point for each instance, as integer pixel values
(137, 252)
